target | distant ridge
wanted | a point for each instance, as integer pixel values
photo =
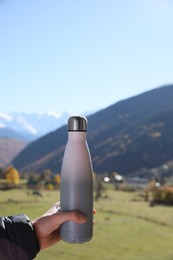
(29, 127)
(9, 148)
(124, 137)
(9, 133)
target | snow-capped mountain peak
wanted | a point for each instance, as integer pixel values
(32, 125)
(25, 125)
(5, 117)
(54, 114)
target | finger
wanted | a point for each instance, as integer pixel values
(74, 216)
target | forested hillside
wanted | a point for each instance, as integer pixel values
(124, 137)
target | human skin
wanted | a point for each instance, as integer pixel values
(47, 227)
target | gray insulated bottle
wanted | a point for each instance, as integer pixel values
(76, 188)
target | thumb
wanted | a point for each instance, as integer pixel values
(75, 216)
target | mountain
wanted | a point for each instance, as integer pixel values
(9, 148)
(9, 133)
(30, 126)
(124, 137)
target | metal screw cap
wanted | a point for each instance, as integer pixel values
(77, 123)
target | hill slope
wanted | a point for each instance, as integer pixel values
(9, 148)
(124, 137)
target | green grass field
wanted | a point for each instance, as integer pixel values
(126, 227)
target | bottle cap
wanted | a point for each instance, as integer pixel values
(77, 123)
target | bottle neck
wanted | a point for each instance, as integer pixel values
(78, 136)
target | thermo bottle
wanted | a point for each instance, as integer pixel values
(76, 188)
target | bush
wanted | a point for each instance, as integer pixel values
(163, 195)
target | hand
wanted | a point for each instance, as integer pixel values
(47, 226)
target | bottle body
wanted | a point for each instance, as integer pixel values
(76, 189)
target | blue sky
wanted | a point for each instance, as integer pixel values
(78, 56)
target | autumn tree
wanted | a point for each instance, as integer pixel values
(12, 175)
(57, 180)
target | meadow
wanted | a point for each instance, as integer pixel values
(126, 228)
